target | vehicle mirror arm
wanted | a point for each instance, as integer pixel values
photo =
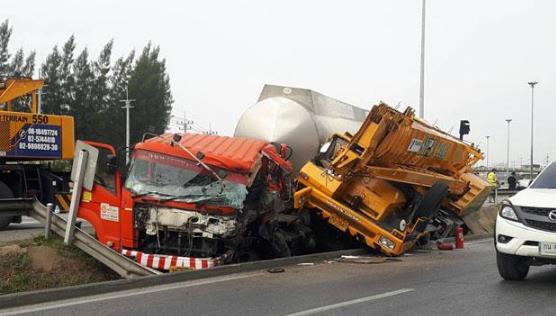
(198, 160)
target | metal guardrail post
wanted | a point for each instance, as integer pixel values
(48, 220)
(76, 195)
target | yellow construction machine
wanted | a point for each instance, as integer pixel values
(27, 137)
(396, 181)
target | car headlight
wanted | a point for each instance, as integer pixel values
(385, 242)
(508, 212)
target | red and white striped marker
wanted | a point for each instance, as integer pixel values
(164, 262)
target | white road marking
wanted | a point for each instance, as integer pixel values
(352, 302)
(122, 294)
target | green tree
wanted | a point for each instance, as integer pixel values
(28, 69)
(114, 116)
(16, 65)
(83, 109)
(21, 66)
(101, 70)
(50, 72)
(149, 85)
(91, 91)
(67, 81)
(5, 33)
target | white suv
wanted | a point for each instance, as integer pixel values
(525, 232)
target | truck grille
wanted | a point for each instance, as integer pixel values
(551, 227)
(536, 210)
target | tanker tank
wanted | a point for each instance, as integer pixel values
(301, 118)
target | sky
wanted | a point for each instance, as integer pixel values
(480, 54)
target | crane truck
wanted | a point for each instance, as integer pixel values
(28, 141)
(396, 180)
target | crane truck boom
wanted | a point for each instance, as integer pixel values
(396, 180)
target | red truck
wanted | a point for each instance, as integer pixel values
(194, 201)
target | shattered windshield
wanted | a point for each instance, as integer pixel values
(546, 179)
(173, 178)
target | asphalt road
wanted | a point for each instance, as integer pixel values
(27, 229)
(463, 282)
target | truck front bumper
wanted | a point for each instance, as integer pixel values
(171, 263)
(524, 240)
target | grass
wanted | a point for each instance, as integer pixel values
(73, 267)
(14, 273)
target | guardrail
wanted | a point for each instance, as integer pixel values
(507, 192)
(125, 267)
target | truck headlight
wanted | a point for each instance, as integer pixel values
(385, 242)
(508, 212)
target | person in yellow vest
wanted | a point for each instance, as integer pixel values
(493, 180)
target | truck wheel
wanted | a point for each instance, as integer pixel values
(512, 267)
(5, 193)
(431, 201)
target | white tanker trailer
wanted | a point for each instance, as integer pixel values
(301, 118)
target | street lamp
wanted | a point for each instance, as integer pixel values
(508, 147)
(487, 150)
(532, 84)
(422, 75)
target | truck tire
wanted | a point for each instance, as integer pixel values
(5, 193)
(431, 201)
(512, 267)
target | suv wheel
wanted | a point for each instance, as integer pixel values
(512, 267)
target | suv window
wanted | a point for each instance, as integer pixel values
(547, 178)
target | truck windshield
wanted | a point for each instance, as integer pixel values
(173, 178)
(546, 179)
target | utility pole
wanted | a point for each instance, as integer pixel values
(487, 157)
(39, 100)
(422, 77)
(532, 84)
(186, 123)
(210, 131)
(508, 147)
(127, 107)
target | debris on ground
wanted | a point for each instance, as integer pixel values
(40, 264)
(366, 259)
(445, 246)
(276, 270)
(306, 264)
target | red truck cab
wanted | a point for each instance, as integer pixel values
(198, 196)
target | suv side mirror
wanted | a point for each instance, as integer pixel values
(111, 164)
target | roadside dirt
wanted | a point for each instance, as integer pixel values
(39, 264)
